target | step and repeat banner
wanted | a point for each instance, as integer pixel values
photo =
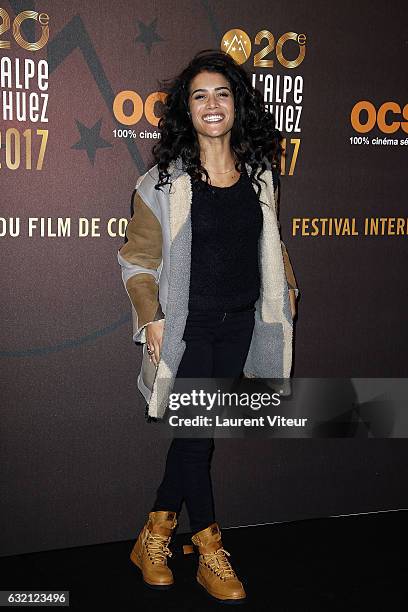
(79, 110)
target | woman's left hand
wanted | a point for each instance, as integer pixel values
(154, 339)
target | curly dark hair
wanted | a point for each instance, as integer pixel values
(254, 137)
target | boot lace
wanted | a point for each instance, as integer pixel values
(157, 548)
(219, 563)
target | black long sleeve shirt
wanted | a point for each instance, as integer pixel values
(226, 225)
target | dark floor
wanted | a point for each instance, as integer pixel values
(333, 564)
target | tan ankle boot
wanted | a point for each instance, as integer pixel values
(215, 572)
(151, 550)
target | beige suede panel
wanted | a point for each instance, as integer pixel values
(290, 277)
(292, 299)
(143, 292)
(144, 246)
(144, 249)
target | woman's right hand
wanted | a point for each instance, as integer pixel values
(154, 338)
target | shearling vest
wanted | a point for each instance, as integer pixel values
(155, 263)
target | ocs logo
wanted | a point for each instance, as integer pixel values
(138, 107)
(365, 117)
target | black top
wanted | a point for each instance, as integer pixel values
(226, 224)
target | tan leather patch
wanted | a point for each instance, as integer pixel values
(290, 277)
(143, 249)
(143, 292)
(144, 246)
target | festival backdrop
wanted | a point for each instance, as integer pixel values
(79, 107)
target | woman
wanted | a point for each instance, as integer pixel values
(210, 283)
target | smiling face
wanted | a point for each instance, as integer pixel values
(211, 104)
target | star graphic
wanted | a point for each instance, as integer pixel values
(90, 139)
(148, 34)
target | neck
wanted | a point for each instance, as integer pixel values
(217, 156)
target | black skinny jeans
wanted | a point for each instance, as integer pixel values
(217, 345)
